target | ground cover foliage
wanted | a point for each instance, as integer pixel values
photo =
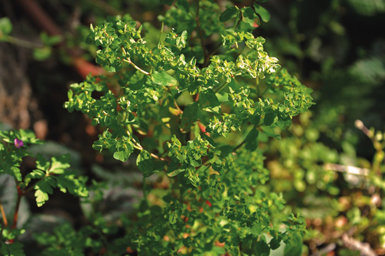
(196, 138)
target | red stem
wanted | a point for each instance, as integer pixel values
(41, 18)
(3, 215)
(16, 214)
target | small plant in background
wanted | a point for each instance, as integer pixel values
(339, 193)
(41, 51)
(45, 176)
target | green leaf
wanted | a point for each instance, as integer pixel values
(163, 79)
(293, 246)
(249, 16)
(262, 12)
(41, 197)
(269, 118)
(5, 27)
(182, 40)
(190, 115)
(50, 40)
(42, 189)
(173, 217)
(147, 164)
(251, 140)
(275, 243)
(35, 174)
(175, 172)
(229, 13)
(121, 156)
(74, 184)
(42, 53)
(59, 165)
(208, 98)
(261, 248)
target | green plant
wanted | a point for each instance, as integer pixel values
(46, 175)
(192, 104)
(41, 51)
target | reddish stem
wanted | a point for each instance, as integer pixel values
(16, 214)
(41, 18)
(3, 215)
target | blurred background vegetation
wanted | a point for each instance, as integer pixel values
(329, 166)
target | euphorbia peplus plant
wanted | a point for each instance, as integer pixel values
(47, 175)
(190, 107)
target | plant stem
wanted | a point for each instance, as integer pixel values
(16, 214)
(220, 88)
(140, 148)
(128, 60)
(3, 215)
(22, 43)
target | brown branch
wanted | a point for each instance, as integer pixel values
(347, 169)
(42, 19)
(17, 207)
(354, 244)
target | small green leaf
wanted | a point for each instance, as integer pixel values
(209, 98)
(121, 156)
(181, 40)
(261, 248)
(35, 174)
(5, 27)
(43, 188)
(147, 164)
(42, 53)
(173, 217)
(41, 197)
(269, 118)
(163, 78)
(175, 172)
(228, 13)
(59, 165)
(50, 40)
(293, 246)
(251, 140)
(249, 16)
(262, 12)
(275, 243)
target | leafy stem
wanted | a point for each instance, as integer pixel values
(20, 194)
(128, 60)
(140, 148)
(20, 42)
